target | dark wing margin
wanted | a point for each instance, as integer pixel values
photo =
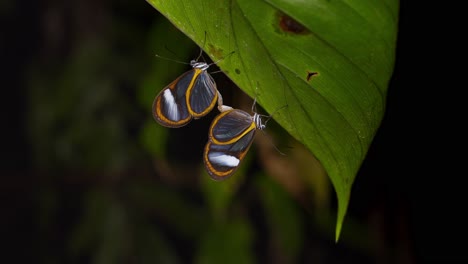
(169, 106)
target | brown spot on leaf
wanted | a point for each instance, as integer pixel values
(237, 71)
(215, 52)
(290, 25)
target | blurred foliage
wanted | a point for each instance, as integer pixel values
(115, 187)
(287, 232)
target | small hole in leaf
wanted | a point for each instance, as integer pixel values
(310, 75)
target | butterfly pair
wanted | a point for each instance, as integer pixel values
(193, 95)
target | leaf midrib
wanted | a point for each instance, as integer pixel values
(286, 85)
(301, 136)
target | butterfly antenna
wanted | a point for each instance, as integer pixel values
(254, 106)
(216, 62)
(270, 139)
(271, 116)
(169, 59)
(230, 53)
(201, 49)
(215, 71)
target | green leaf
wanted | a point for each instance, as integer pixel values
(350, 45)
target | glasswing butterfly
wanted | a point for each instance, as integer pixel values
(230, 136)
(191, 96)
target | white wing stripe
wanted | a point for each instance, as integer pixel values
(172, 109)
(221, 159)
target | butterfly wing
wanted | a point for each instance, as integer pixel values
(231, 135)
(202, 95)
(170, 105)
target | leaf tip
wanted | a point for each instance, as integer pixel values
(338, 231)
(343, 200)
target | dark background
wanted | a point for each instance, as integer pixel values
(399, 196)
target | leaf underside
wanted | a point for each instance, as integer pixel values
(328, 61)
